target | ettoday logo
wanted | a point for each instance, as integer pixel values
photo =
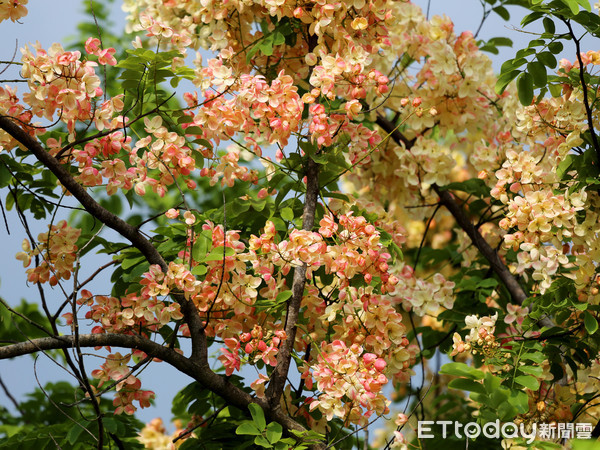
(508, 430)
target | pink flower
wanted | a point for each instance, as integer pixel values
(92, 45)
(106, 57)
(189, 217)
(172, 213)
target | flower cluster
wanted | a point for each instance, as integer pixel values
(451, 93)
(154, 435)
(128, 386)
(325, 129)
(178, 278)
(262, 111)
(165, 157)
(59, 80)
(357, 251)
(343, 372)
(229, 170)
(257, 346)
(13, 10)
(422, 296)
(10, 106)
(130, 313)
(481, 337)
(57, 250)
(543, 216)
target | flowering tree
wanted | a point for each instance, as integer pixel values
(343, 193)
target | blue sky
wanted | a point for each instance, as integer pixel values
(54, 21)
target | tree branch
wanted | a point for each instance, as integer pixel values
(499, 268)
(131, 233)
(279, 375)
(393, 131)
(586, 103)
(197, 366)
(233, 395)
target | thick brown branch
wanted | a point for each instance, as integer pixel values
(446, 199)
(111, 220)
(279, 376)
(393, 131)
(233, 395)
(499, 268)
(197, 366)
(102, 214)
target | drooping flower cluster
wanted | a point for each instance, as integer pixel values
(422, 296)
(10, 106)
(128, 386)
(13, 10)
(544, 220)
(452, 93)
(130, 313)
(56, 252)
(257, 347)
(154, 436)
(59, 81)
(263, 111)
(349, 372)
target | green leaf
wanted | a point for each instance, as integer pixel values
(555, 47)
(549, 26)
(466, 385)
(502, 12)
(501, 41)
(130, 262)
(274, 432)
(248, 428)
(538, 72)
(586, 4)
(5, 176)
(520, 401)
(590, 322)
(262, 441)
(216, 254)
(283, 296)
(200, 248)
(491, 382)
(531, 18)
(258, 416)
(461, 370)
(525, 88)
(528, 381)
(564, 166)
(504, 80)
(287, 214)
(278, 38)
(572, 4)
(266, 45)
(74, 433)
(547, 59)
(199, 270)
(536, 371)
(555, 90)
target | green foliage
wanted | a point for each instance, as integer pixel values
(53, 417)
(540, 54)
(23, 317)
